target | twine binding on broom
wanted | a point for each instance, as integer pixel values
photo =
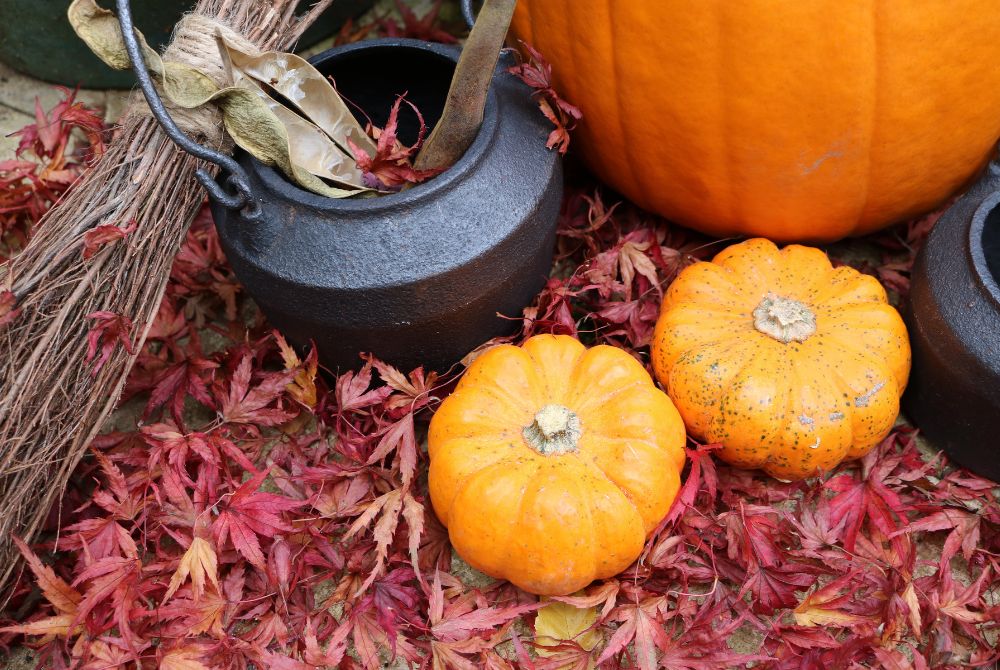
(194, 44)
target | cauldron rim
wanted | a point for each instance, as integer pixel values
(278, 184)
(977, 250)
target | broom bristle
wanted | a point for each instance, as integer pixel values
(52, 403)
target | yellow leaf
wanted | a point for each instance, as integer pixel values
(51, 626)
(558, 622)
(303, 387)
(209, 613)
(199, 561)
(62, 596)
(816, 616)
(910, 598)
(183, 658)
(811, 612)
(288, 355)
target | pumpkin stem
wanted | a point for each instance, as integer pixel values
(555, 430)
(784, 319)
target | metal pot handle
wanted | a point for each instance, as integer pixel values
(468, 13)
(237, 180)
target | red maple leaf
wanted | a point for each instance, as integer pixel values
(353, 394)
(815, 529)
(701, 476)
(201, 275)
(774, 588)
(401, 438)
(248, 404)
(99, 236)
(640, 628)
(63, 598)
(113, 584)
(248, 514)
(965, 532)
(172, 385)
(456, 626)
(8, 308)
(394, 600)
(109, 330)
(50, 156)
(426, 27)
(413, 391)
(753, 536)
(169, 324)
(553, 311)
(49, 136)
(866, 496)
(391, 167)
(105, 536)
(537, 73)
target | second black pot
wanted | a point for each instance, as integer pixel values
(420, 277)
(953, 317)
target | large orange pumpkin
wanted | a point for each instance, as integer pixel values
(791, 364)
(788, 119)
(550, 463)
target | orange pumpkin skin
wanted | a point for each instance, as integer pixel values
(796, 120)
(553, 522)
(791, 364)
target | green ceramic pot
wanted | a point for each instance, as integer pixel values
(36, 38)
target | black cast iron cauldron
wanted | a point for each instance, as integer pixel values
(954, 322)
(417, 277)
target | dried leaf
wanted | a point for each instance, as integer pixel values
(309, 91)
(537, 73)
(303, 386)
(199, 562)
(100, 236)
(184, 658)
(558, 622)
(109, 330)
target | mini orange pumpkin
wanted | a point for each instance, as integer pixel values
(550, 463)
(791, 364)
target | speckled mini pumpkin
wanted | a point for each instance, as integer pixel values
(550, 463)
(791, 364)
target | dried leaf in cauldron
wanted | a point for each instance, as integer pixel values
(317, 143)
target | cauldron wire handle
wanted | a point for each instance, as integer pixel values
(468, 13)
(237, 179)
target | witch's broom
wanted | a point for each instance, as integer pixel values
(54, 397)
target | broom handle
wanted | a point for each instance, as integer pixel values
(237, 179)
(463, 112)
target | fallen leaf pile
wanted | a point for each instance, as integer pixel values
(248, 511)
